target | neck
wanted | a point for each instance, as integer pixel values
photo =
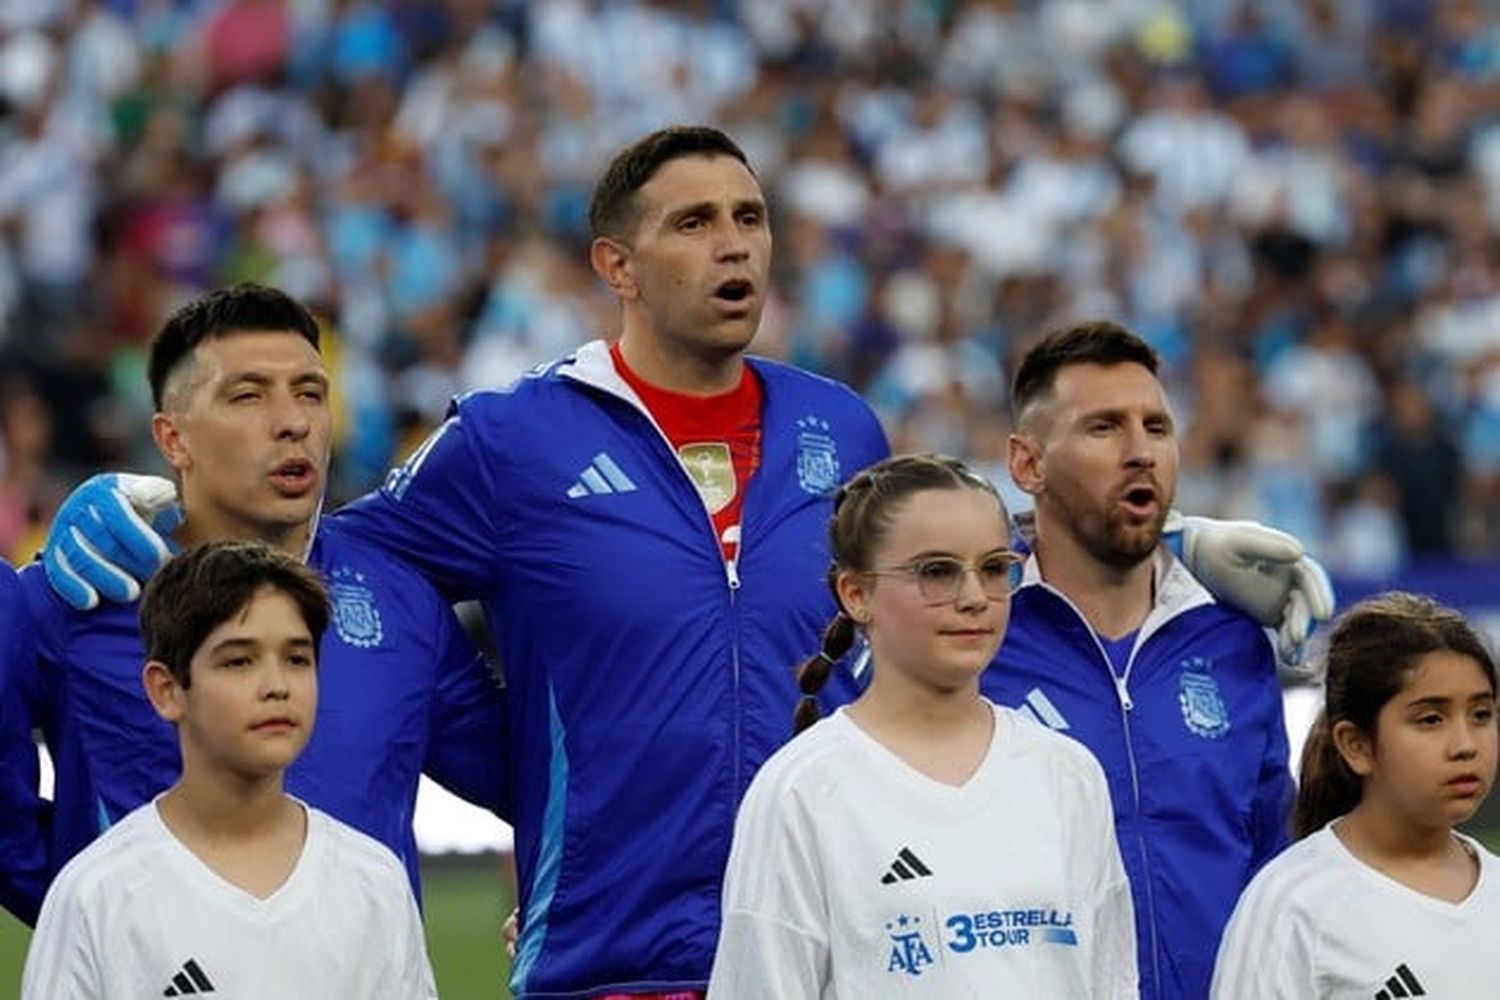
(942, 734)
(204, 524)
(1113, 600)
(893, 701)
(208, 809)
(704, 372)
(1377, 835)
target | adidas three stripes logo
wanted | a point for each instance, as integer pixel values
(1402, 984)
(906, 867)
(599, 477)
(189, 982)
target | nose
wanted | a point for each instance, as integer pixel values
(970, 593)
(731, 243)
(1464, 742)
(275, 684)
(1140, 453)
(291, 421)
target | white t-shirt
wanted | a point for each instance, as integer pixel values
(136, 914)
(1317, 922)
(854, 875)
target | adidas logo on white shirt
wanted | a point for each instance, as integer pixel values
(1402, 984)
(189, 982)
(906, 867)
(1040, 707)
(599, 477)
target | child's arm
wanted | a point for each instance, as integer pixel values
(408, 971)
(60, 961)
(1113, 971)
(774, 939)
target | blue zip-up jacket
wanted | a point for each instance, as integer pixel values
(1192, 740)
(647, 679)
(401, 690)
(23, 853)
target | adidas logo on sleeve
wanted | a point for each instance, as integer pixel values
(189, 982)
(906, 867)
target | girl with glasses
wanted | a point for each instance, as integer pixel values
(923, 841)
(1381, 897)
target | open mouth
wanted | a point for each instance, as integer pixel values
(1140, 499)
(293, 477)
(734, 290)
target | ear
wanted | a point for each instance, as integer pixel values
(170, 441)
(1024, 456)
(611, 262)
(1354, 746)
(162, 689)
(856, 593)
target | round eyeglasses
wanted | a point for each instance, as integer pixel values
(940, 579)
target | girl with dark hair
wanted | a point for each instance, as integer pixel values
(1382, 897)
(923, 839)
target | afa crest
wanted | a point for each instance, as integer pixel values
(355, 617)
(817, 457)
(909, 951)
(1203, 710)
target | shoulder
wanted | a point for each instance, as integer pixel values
(1067, 758)
(343, 557)
(122, 858)
(777, 377)
(36, 597)
(1309, 872)
(809, 766)
(355, 858)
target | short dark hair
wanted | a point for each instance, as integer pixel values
(613, 212)
(1099, 342)
(237, 308)
(206, 586)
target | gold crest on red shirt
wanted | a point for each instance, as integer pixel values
(712, 471)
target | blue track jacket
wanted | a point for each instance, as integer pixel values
(401, 690)
(1192, 740)
(647, 679)
(23, 851)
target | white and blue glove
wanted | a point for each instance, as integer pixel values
(109, 536)
(1261, 571)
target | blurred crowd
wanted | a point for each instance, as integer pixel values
(1296, 201)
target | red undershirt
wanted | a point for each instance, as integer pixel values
(717, 438)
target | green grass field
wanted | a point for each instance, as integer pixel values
(466, 901)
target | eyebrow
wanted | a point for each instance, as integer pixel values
(1441, 702)
(237, 643)
(261, 378)
(1117, 412)
(944, 554)
(709, 207)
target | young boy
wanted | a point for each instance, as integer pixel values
(225, 883)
